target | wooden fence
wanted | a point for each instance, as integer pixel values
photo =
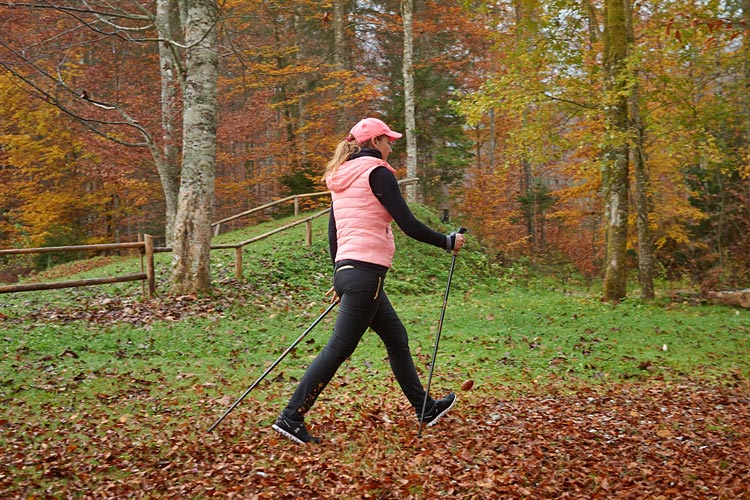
(147, 249)
(238, 247)
(294, 198)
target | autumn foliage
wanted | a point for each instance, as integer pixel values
(660, 441)
(510, 120)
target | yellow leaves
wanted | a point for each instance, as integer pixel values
(45, 189)
(744, 170)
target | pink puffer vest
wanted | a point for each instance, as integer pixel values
(363, 225)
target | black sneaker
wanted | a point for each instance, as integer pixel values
(439, 409)
(296, 431)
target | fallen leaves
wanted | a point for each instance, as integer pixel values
(126, 310)
(686, 440)
(103, 309)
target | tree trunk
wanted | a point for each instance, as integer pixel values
(643, 207)
(746, 112)
(345, 116)
(746, 65)
(593, 22)
(493, 142)
(527, 182)
(340, 47)
(615, 156)
(167, 163)
(407, 9)
(302, 83)
(732, 297)
(192, 233)
(642, 179)
(524, 12)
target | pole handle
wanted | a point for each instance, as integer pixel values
(460, 230)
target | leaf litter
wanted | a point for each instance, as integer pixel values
(651, 440)
(685, 439)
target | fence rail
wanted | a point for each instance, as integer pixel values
(147, 249)
(147, 275)
(295, 198)
(28, 287)
(238, 247)
(72, 248)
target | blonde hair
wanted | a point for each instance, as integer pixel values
(343, 151)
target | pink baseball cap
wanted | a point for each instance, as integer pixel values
(370, 128)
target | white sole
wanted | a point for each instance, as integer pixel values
(287, 434)
(442, 413)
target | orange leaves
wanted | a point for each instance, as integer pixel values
(716, 27)
(45, 191)
(628, 441)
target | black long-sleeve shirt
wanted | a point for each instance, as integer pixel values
(385, 187)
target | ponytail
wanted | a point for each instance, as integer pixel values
(343, 151)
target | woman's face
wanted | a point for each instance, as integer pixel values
(383, 144)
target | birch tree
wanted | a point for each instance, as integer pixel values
(192, 228)
(407, 11)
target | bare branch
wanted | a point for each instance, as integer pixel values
(122, 32)
(104, 19)
(89, 123)
(47, 5)
(574, 103)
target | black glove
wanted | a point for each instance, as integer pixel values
(452, 237)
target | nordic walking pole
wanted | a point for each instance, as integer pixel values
(461, 230)
(275, 363)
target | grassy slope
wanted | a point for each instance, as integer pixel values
(151, 370)
(523, 331)
(493, 331)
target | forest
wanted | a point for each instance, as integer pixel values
(598, 151)
(608, 137)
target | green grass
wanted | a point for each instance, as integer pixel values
(98, 384)
(500, 326)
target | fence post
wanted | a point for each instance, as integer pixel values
(296, 205)
(148, 241)
(141, 254)
(238, 262)
(308, 232)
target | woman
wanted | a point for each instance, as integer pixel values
(366, 198)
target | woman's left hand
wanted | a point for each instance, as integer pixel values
(334, 296)
(458, 243)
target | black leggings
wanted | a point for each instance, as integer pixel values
(363, 304)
